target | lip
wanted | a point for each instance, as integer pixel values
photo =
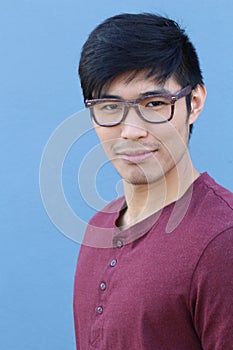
(136, 157)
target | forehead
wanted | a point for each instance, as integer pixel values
(129, 85)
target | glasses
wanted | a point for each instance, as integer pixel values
(156, 108)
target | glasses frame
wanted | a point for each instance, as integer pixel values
(135, 104)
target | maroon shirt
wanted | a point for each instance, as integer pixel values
(157, 288)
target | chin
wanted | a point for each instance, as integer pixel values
(141, 175)
(143, 179)
(136, 182)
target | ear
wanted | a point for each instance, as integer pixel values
(197, 102)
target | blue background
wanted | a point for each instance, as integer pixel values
(39, 88)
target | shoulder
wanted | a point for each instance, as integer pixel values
(213, 230)
(212, 204)
(100, 229)
(211, 191)
(209, 215)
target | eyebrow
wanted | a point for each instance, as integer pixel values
(143, 94)
(161, 91)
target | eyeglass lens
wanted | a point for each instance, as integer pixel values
(154, 109)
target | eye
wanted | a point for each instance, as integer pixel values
(155, 103)
(110, 107)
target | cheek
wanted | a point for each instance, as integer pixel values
(104, 134)
(173, 139)
(107, 139)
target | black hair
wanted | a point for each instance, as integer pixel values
(134, 43)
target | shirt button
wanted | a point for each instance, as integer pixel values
(119, 244)
(113, 262)
(99, 310)
(102, 286)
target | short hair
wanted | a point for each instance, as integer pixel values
(134, 43)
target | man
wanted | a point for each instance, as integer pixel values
(155, 268)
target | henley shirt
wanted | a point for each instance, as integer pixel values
(162, 284)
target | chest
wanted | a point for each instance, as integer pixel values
(147, 279)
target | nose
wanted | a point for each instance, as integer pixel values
(133, 127)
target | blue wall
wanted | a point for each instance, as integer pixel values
(39, 89)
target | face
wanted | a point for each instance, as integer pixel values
(143, 152)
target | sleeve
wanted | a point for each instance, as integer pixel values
(211, 294)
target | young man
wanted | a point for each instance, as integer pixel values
(155, 267)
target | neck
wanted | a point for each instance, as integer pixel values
(144, 200)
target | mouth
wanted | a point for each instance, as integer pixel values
(136, 156)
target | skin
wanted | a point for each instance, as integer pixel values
(153, 160)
